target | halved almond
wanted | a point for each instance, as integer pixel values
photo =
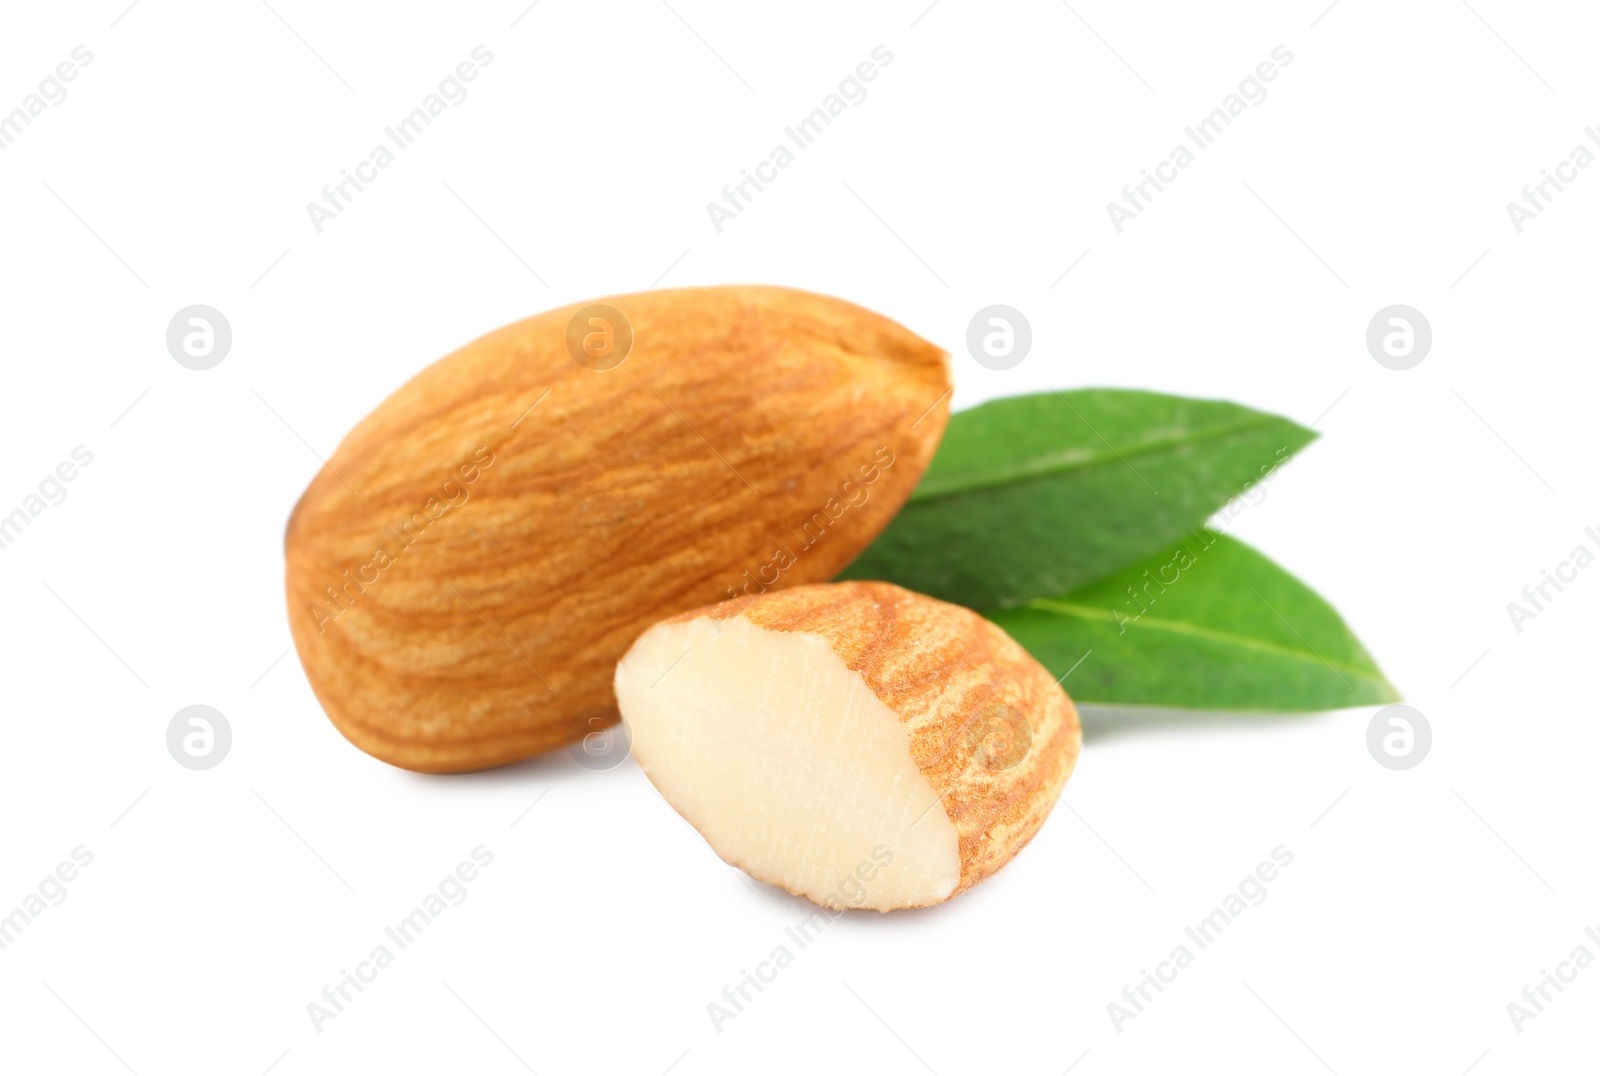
(854, 743)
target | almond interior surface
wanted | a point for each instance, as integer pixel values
(856, 744)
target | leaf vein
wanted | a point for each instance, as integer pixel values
(1056, 465)
(1229, 638)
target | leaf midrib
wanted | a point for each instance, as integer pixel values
(1179, 628)
(1025, 472)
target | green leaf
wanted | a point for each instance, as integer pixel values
(1208, 623)
(1038, 495)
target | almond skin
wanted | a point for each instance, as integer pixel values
(481, 549)
(987, 727)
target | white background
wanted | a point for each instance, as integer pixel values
(1377, 171)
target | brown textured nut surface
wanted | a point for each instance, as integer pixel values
(990, 729)
(449, 624)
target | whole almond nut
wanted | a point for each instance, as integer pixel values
(481, 549)
(854, 743)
